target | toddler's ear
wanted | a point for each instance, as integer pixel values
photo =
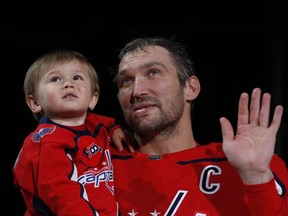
(94, 101)
(33, 104)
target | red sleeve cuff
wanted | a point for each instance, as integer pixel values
(112, 129)
(263, 199)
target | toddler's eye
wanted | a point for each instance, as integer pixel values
(77, 77)
(55, 79)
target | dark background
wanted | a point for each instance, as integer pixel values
(235, 47)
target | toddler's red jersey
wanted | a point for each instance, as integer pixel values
(66, 171)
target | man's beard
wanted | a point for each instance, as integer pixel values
(170, 112)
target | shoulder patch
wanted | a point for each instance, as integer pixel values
(42, 132)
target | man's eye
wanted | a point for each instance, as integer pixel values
(124, 81)
(153, 72)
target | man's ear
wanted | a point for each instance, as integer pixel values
(33, 104)
(93, 101)
(192, 88)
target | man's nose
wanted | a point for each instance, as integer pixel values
(140, 87)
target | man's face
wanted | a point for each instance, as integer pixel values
(150, 94)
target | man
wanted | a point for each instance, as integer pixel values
(171, 173)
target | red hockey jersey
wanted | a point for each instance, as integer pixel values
(195, 182)
(66, 171)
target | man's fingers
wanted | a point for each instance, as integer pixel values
(255, 106)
